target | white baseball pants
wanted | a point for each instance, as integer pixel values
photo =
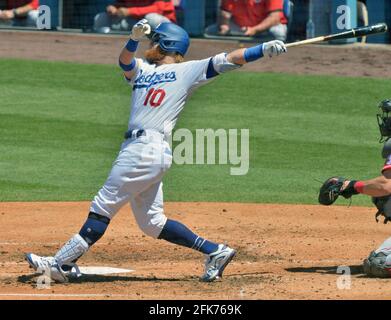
(136, 177)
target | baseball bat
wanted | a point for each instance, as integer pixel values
(352, 33)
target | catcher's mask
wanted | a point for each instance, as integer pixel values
(384, 120)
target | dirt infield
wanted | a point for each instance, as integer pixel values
(349, 60)
(284, 252)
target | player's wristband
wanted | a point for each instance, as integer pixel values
(127, 67)
(131, 45)
(350, 189)
(253, 53)
(359, 187)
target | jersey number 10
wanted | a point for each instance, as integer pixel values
(154, 97)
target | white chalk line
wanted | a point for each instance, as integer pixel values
(69, 295)
(42, 244)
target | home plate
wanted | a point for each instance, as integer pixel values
(103, 270)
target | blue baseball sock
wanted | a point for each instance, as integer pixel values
(176, 232)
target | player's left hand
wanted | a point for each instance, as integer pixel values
(334, 187)
(274, 48)
(140, 29)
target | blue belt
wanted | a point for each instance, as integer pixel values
(134, 133)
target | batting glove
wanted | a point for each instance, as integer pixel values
(274, 48)
(140, 29)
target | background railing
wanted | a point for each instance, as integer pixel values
(195, 15)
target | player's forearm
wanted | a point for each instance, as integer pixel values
(378, 187)
(224, 17)
(23, 11)
(237, 56)
(243, 56)
(127, 61)
(137, 12)
(126, 56)
(270, 21)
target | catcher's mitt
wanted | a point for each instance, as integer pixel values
(383, 208)
(332, 188)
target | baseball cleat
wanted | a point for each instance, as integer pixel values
(39, 263)
(216, 262)
(47, 266)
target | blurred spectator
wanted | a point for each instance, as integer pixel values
(252, 18)
(123, 14)
(21, 13)
(179, 6)
(362, 14)
(79, 14)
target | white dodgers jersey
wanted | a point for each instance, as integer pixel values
(160, 92)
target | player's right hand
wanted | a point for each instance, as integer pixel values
(140, 29)
(274, 48)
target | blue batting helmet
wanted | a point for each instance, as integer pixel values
(171, 38)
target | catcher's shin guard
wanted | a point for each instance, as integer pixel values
(377, 265)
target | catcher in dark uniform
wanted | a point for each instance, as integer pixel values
(378, 264)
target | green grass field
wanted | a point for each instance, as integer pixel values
(61, 126)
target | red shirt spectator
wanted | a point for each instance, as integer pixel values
(249, 13)
(13, 4)
(140, 8)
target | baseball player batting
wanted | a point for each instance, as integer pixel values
(160, 85)
(378, 263)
